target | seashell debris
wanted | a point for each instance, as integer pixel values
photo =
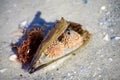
(13, 58)
(103, 7)
(106, 37)
(3, 70)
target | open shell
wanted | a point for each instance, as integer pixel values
(40, 60)
(64, 39)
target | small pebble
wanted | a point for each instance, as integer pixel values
(69, 74)
(99, 76)
(52, 78)
(13, 58)
(106, 37)
(83, 69)
(21, 75)
(101, 56)
(110, 59)
(104, 23)
(75, 72)
(52, 73)
(115, 38)
(108, 13)
(103, 8)
(23, 24)
(3, 70)
(53, 66)
(85, 1)
(57, 69)
(94, 74)
(98, 68)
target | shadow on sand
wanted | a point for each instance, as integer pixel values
(39, 22)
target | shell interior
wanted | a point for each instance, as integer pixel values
(40, 59)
